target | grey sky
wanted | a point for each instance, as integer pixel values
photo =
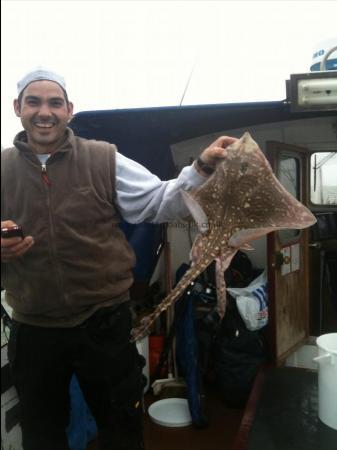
(135, 53)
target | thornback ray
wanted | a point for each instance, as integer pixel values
(240, 202)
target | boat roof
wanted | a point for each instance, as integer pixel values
(146, 134)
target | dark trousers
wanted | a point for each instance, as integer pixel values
(108, 369)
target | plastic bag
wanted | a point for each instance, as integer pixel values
(252, 302)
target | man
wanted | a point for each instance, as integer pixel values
(67, 279)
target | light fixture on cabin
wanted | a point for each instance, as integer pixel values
(315, 91)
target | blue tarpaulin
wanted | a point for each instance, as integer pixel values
(82, 426)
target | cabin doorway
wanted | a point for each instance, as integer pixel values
(288, 259)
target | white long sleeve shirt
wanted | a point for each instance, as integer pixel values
(143, 197)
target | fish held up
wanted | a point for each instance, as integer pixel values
(240, 202)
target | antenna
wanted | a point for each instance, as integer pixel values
(188, 81)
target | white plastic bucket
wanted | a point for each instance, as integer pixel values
(327, 379)
(143, 349)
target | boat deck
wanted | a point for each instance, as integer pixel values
(223, 426)
(282, 413)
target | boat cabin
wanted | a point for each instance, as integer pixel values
(300, 266)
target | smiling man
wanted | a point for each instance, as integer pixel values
(68, 278)
(45, 111)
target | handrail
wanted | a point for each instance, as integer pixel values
(323, 65)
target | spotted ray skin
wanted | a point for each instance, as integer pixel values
(241, 201)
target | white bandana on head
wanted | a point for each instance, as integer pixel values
(40, 73)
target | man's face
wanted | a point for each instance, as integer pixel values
(44, 115)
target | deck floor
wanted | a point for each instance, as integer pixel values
(285, 413)
(219, 435)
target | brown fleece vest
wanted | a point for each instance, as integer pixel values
(81, 260)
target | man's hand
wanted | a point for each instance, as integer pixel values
(14, 247)
(216, 151)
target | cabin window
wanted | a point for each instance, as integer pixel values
(323, 178)
(289, 176)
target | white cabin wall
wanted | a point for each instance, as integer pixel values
(314, 134)
(180, 246)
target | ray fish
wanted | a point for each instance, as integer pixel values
(240, 202)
